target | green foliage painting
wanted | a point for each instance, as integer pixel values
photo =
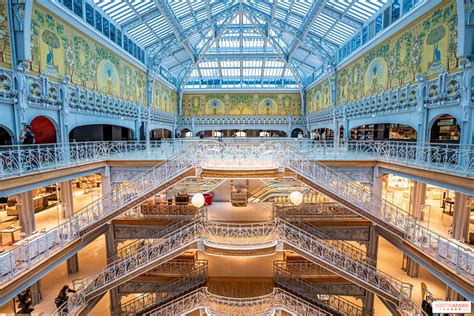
(426, 47)
(241, 104)
(59, 50)
(5, 57)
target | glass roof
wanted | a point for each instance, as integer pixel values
(238, 42)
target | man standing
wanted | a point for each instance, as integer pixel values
(28, 136)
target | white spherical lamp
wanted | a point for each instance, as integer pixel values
(296, 197)
(198, 200)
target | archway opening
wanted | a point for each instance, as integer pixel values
(395, 132)
(100, 132)
(5, 137)
(44, 130)
(185, 133)
(445, 129)
(160, 133)
(296, 132)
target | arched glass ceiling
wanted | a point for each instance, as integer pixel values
(241, 43)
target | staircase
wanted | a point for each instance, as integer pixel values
(26, 256)
(195, 186)
(296, 214)
(308, 291)
(274, 188)
(333, 258)
(218, 305)
(137, 263)
(250, 236)
(146, 302)
(393, 220)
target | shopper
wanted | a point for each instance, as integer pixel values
(24, 302)
(28, 136)
(63, 296)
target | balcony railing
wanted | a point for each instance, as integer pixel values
(19, 160)
(26, 159)
(220, 305)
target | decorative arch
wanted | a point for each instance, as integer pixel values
(45, 130)
(296, 132)
(445, 128)
(100, 132)
(6, 136)
(160, 133)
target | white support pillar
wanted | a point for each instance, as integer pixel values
(26, 213)
(106, 184)
(377, 182)
(26, 216)
(417, 200)
(67, 204)
(462, 211)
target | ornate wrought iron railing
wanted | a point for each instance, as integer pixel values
(162, 211)
(191, 280)
(448, 158)
(220, 305)
(291, 282)
(26, 159)
(247, 235)
(302, 268)
(37, 247)
(457, 256)
(289, 214)
(309, 211)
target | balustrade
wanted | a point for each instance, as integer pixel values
(192, 279)
(307, 290)
(219, 305)
(245, 235)
(459, 257)
(33, 250)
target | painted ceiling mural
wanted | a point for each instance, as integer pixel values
(241, 104)
(5, 54)
(427, 47)
(59, 50)
(164, 98)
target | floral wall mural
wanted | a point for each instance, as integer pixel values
(318, 98)
(5, 54)
(164, 99)
(59, 50)
(427, 47)
(241, 104)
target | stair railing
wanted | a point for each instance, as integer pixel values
(40, 246)
(458, 256)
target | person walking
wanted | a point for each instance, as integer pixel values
(63, 296)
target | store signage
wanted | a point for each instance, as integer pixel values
(453, 307)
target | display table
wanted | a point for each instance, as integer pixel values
(10, 231)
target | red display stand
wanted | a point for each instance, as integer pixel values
(208, 198)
